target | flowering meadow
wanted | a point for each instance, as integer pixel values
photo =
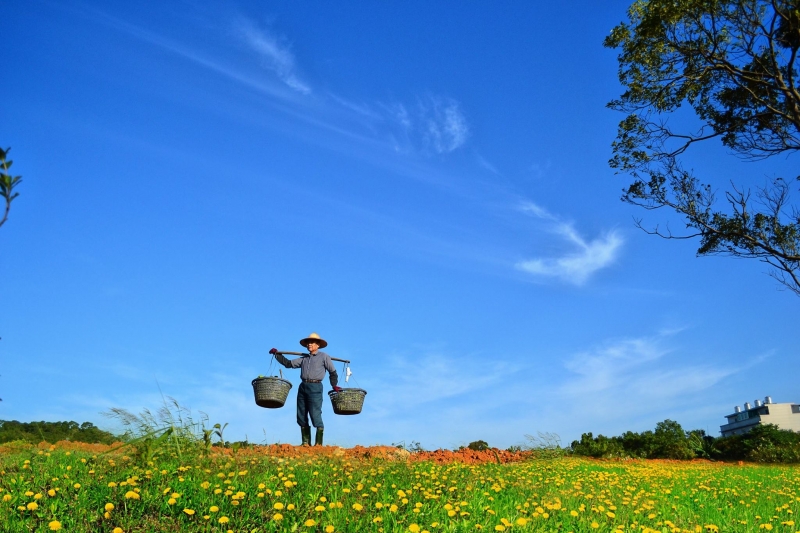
(82, 488)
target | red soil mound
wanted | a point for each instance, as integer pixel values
(389, 453)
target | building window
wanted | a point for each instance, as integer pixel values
(796, 409)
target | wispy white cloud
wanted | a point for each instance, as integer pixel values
(649, 369)
(434, 125)
(275, 54)
(482, 161)
(444, 126)
(433, 377)
(536, 210)
(540, 170)
(575, 267)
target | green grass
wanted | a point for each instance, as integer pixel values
(258, 492)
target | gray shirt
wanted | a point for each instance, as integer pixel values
(311, 366)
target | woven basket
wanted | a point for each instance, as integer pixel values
(347, 401)
(271, 392)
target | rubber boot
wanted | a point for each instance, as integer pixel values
(318, 437)
(305, 432)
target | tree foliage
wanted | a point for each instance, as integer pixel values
(734, 63)
(765, 443)
(7, 184)
(36, 432)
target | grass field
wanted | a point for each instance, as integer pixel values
(84, 488)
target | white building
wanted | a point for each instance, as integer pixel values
(783, 415)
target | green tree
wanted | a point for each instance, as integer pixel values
(478, 445)
(600, 446)
(7, 183)
(36, 432)
(670, 442)
(734, 63)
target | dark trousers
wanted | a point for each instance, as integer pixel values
(309, 402)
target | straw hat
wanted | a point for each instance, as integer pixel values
(313, 338)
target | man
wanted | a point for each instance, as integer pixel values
(309, 395)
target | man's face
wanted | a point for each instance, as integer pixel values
(312, 347)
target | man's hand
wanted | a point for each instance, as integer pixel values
(337, 388)
(273, 351)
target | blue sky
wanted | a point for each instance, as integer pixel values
(423, 184)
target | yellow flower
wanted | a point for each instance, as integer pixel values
(377, 519)
(573, 513)
(595, 525)
(171, 501)
(357, 506)
(117, 530)
(109, 507)
(521, 521)
(451, 513)
(50, 493)
(130, 495)
(610, 514)
(290, 507)
(55, 525)
(224, 519)
(310, 522)
(190, 512)
(278, 506)
(329, 529)
(214, 509)
(319, 508)
(32, 506)
(393, 508)
(498, 527)
(277, 517)
(77, 485)
(414, 528)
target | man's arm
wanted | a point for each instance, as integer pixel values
(334, 377)
(288, 363)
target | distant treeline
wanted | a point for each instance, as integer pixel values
(765, 443)
(36, 432)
